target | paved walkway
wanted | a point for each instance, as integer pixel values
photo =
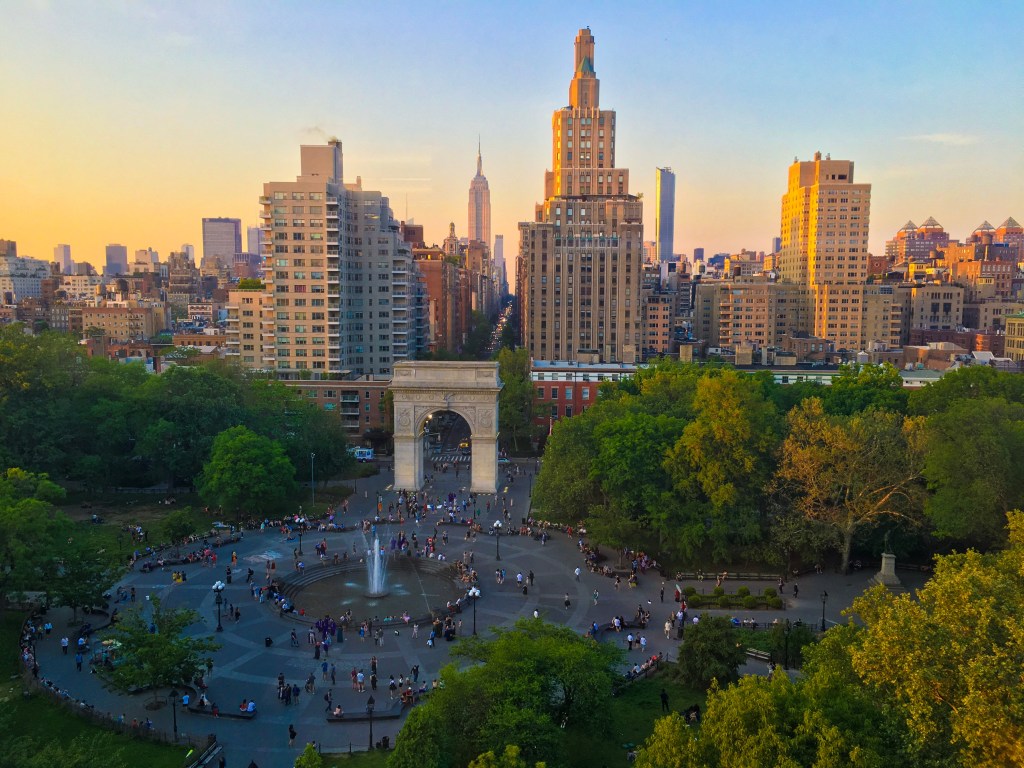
(245, 669)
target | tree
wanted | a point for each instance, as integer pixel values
(671, 745)
(709, 652)
(526, 685)
(183, 410)
(517, 407)
(179, 525)
(510, 758)
(722, 461)
(972, 381)
(949, 661)
(973, 467)
(309, 758)
(846, 473)
(565, 488)
(32, 531)
(81, 580)
(154, 651)
(826, 719)
(247, 472)
(860, 386)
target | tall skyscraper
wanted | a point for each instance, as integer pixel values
(117, 260)
(580, 260)
(825, 218)
(62, 255)
(500, 274)
(479, 204)
(254, 240)
(222, 239)
(665, 212)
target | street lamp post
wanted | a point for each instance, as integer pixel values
(785, 657)
(369, 711)
(218, 589)
(474, 593)
(824, 599)
(174, 711)
(312, 478)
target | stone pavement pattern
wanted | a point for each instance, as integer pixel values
(245, 669)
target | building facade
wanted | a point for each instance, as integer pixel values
(222, 239)
(825, 218)
(480, 205)
(665, 212)
(579, 266)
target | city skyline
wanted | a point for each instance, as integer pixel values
(111, 144)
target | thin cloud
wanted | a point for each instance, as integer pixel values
(946, 139)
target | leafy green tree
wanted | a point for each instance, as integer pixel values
(179, 525)
(722, 461)
(974, 469)
(155, 650)
(32, 531)
(102, 750)
(81, 580)
(510, 758)
(517, 408)
(948, 660)
(247, 473)
(671, 745)
(309, 758)
(528, 683)
(846, 473)
(973, 381)
(860, 386)
(566, 488)
(709, 652)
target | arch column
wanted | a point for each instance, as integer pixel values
(408, 462)
(470, 389)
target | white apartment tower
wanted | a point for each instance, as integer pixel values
(343, 284)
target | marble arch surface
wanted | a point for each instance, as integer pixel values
(470, 389)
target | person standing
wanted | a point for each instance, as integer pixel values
(664, 700)
(567, 603)
(596, 595)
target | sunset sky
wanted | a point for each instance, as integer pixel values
(129, 121)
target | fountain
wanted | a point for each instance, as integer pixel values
(376, 570)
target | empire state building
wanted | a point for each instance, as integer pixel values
(480, 205)
(580, 260)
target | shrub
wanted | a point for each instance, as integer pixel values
(774, 602)
(690, 591)
(750, 602)
(718, 591)
(770, 592)
(725, 601)
(694, 601)
(742, 592)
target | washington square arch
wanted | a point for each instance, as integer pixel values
(469, 389)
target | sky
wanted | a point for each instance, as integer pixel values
(129, 121)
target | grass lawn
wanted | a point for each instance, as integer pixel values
(45, 722)
(633, 713)
(375, 759)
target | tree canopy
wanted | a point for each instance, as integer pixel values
(526, 684)
(247, 473)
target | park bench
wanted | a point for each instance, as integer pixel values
(234, 713)
(392, 712)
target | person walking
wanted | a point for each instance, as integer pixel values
(567, 603)
(596, 595)
(664, 701)
(291, 735)
(577, 572)
(329, 698)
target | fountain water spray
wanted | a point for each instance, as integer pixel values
(376, 570)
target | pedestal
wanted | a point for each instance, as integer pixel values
(886, 576)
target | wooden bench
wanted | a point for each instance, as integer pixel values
(222, 713)
(392, 712)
